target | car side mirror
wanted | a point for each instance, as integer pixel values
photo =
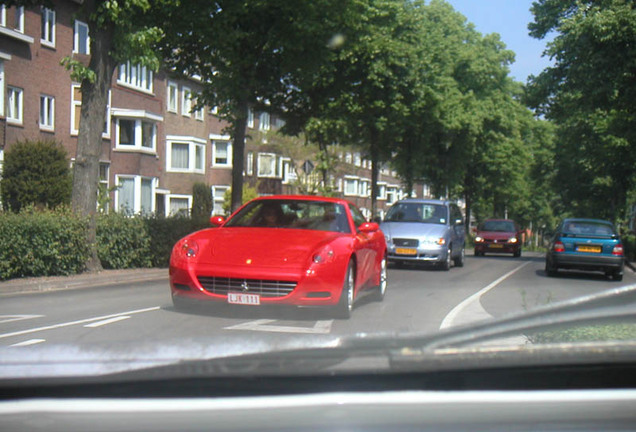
(369, 227)
(217, 220)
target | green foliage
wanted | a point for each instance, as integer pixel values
(249, 193)
(41, 243)
(122, 242)
(629, 246)
(35, 173)
(164, 233)
(201, 202)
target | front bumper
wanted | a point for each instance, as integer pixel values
(497, 247)
(423, 254)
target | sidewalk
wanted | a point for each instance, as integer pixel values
(85, 280)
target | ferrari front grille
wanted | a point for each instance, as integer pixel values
(264, 288)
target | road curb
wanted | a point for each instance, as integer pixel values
(85, 280)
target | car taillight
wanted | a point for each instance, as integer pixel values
(618, 250)
(558, 247)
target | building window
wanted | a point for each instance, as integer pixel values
(137, 134)
(15, 98)
(47, 112)
(381, 191)
(198, 114)
(81, 39)
(221, 153)
(250, 163)
(1, 88)
(263, 121)
(351, 186)
(179, 205)
(289, 171)
(47, 37)
(186, 101)
(218, 198)
(17, 23)
(357, 159)
(186, 154)
(364, 186)
(391, 194)
(173, 96)
(250, 118)
(135, 76)
(135, 194)
(267, 165)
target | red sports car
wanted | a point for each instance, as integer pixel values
(282, 250)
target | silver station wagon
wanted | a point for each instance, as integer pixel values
(425, 231)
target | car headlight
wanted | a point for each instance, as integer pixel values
(478, 239)
(324, 256)
(512, 240)
(188, 248)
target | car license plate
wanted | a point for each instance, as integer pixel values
(496, 246)
(406, 251)
(244, 299)
(593, 249)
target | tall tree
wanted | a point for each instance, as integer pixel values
(248, 54)
(120, 31)
(590, 94)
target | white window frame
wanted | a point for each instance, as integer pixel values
(1, 87)
(250, 118)
(48, 27)
(249, 162)
(264, 121)
(216, 164)
(77, 105)
(364, 186)
(15, 105)
(199, 114)
(172, 97)
(47, 112)
(193, 144)
(76, 40)
(357, 159)
(288, 170)
(18, 19)
(136, 76)
(381, 191)
(137, 179)
(217, 203)
(353, 190)
(272, 165)
(186, 101)
(139, 117)
(170, 197)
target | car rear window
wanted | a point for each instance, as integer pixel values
(498, 226)
(588, 229)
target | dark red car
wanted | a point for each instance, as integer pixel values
(498, 236)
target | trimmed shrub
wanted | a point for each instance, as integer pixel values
(35, 173)
(122, 242)
(165, 232)
(42, 243)
(201, 202)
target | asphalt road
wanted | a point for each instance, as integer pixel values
(136, 319)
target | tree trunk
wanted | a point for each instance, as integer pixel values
(89, 141)
(375, 169)
(238, 154)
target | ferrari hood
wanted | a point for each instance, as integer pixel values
(412, 229)
(261, 247)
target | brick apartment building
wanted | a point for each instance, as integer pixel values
(155, 147)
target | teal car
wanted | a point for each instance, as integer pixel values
(586, 244)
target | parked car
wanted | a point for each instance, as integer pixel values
(425, 231)
(282, 250)
(498, 236)
(586, 244)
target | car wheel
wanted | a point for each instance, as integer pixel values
(517, 254)
(446, 265)
(381, 288)
(617, 276)
(345, 305)
(459, 261)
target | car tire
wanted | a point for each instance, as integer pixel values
(446, 265)
(550, 270)
(617, 276)
(345, 304)
(381, 288)
(517, 254)
(459, 261)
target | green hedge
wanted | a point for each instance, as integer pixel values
(629, 245)
(41, 243)
(52, 242)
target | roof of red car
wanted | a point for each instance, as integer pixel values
(304, 197)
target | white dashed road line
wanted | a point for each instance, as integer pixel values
(28, 342)
(107, 321)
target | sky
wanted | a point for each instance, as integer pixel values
(510, 19)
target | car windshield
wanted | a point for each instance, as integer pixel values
(586, 228)
(498, 226)
(417, 212)
(273, 192)
(297, 214)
